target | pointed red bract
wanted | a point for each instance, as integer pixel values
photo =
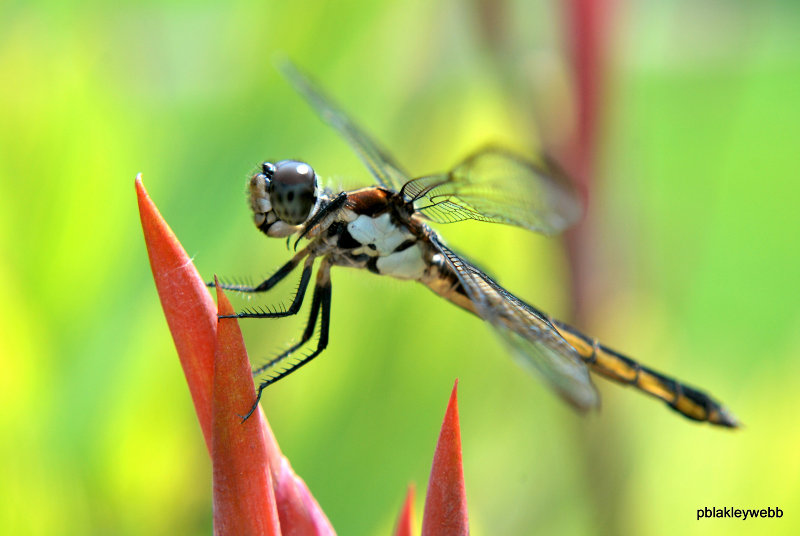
(405, 522)
(446, 500)
(244, 502)
(192, 319)
(190, 311)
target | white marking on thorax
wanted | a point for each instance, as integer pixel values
(380, 232)
(406, 264)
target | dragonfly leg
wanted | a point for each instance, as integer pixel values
(296, 302)
(321, 303)
(309, 331)
(270, 282)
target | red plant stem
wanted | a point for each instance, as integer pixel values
(587, 40)
(588, 24)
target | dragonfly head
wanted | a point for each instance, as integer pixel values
(283, 196)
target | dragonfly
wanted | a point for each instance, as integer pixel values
(384, 229)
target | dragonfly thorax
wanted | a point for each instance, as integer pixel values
(283, 196)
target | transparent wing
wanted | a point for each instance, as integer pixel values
(381, 164)
(496, 185)
(530, 336)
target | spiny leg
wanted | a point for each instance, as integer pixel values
(296, 302)
(309, 331)
(273, 280)
(325, 302)
(321, 302)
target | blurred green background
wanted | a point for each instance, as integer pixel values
(695, 267)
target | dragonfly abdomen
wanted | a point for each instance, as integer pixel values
(688, 401)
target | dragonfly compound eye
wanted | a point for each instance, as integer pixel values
(293, 191)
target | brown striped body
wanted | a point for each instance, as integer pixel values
(614, 366)
(610, 364)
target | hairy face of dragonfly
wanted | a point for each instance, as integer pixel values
(383, 230)
(283, 196)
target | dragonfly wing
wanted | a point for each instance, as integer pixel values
(387, 172)
(496, 185)
(528, 333)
